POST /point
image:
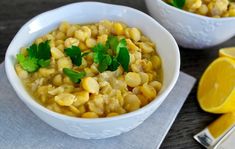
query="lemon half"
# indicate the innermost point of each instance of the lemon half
(216, 90)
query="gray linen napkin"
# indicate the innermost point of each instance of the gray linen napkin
(21, 129)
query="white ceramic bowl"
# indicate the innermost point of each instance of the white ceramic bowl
(191, 30)
(87, 12)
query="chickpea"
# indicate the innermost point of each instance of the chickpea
(144, 77)
(135, 34)
(57, 80)
(131, 102)
(102, 39)
(82, 46)
(90, 85)
(82, 98)
(60, 35)
(71, 42)
(60, 47)
(64, 26)
(71, 30)
(64, 62)
(156, 62)
(82, 109)
(132, 79)
(56, 53)
(94, 31)
(56, 91)
(132, 47)
(65, 99)
(89, 72)
(118, 29)
(45, 72)
(96, 104)
(80, 35)
(74, 110)
(156, 84)
(90, 42)
(232, 12)
(144, 101)
(67, 80)
(148, 91)
(146, 48)
(203, 10)
(59, 42)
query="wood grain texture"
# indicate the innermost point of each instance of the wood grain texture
(191, 119)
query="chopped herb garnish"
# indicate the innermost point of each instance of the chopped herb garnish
(27, 63)
(121, 44)
(38, 56)
(114, 64)
(104, 62)
(112, 42)
(124, 58)
(178, 3)
(110, 60)
(99, 52)
(73, 75)
(44, 63)
(41, 51)
(75, 54)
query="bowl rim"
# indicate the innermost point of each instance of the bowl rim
(40, 107)
(193, 14)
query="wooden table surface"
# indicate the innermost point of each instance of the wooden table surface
(191, 119)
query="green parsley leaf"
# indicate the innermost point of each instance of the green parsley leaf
(111, 55)
(44, 50)
(124, 58)
(73, 75)
(99, 52)
(104, 63)
(32, 51)
(38, 56)
(121, 44)
(114, 65)
(75, 54)
(44, 63)
(178, 3)
(41, 51)
(27, 63)
(99, 48)
(112, 42)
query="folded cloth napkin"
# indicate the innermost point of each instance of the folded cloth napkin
(21, 129)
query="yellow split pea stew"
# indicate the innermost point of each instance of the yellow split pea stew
(210, 8)
(94, 70)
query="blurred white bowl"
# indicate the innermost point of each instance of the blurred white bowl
(89, 12)
(191, 30)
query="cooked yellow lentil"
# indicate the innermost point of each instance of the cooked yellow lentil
(211, 8)
(105, 94)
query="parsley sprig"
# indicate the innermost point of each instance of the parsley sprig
(73, 75)
(111, 55)
(38, 56)
(75, 54)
